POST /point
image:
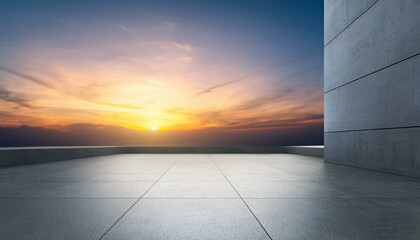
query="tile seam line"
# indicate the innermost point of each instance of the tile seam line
(144, 194)
(371, 129)
(253, 214)
(351, 23)
(376, 71)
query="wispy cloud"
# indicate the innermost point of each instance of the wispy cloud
(256, 73)
(8, 96)
(185, 47)
(210, 89)
(125, 29)
(26, 76)
(261, 101)
(293, 122)
(81, 94)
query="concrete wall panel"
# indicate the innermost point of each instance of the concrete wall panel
(387, 33)
(384, 99)
(340, 13)
(347, 148)
(392, 150)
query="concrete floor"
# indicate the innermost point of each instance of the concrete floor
(201, 196)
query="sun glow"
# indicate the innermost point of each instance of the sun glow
(154, 128)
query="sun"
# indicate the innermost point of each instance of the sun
(154, 128)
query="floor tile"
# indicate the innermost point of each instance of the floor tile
(188, 219)
(59, 218)
(335, 219)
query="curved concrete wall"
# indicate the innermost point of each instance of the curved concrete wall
(372, 84)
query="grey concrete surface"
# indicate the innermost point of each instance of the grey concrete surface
(390, 150)
(205, 196)
(386, 34)
(338, 218)
(372, 85)
(382, 100)
(188, 219)
(339, 14)
(6, 158)
(17, 156)
(58, 218)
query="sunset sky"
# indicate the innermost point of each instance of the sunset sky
(184, 70)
